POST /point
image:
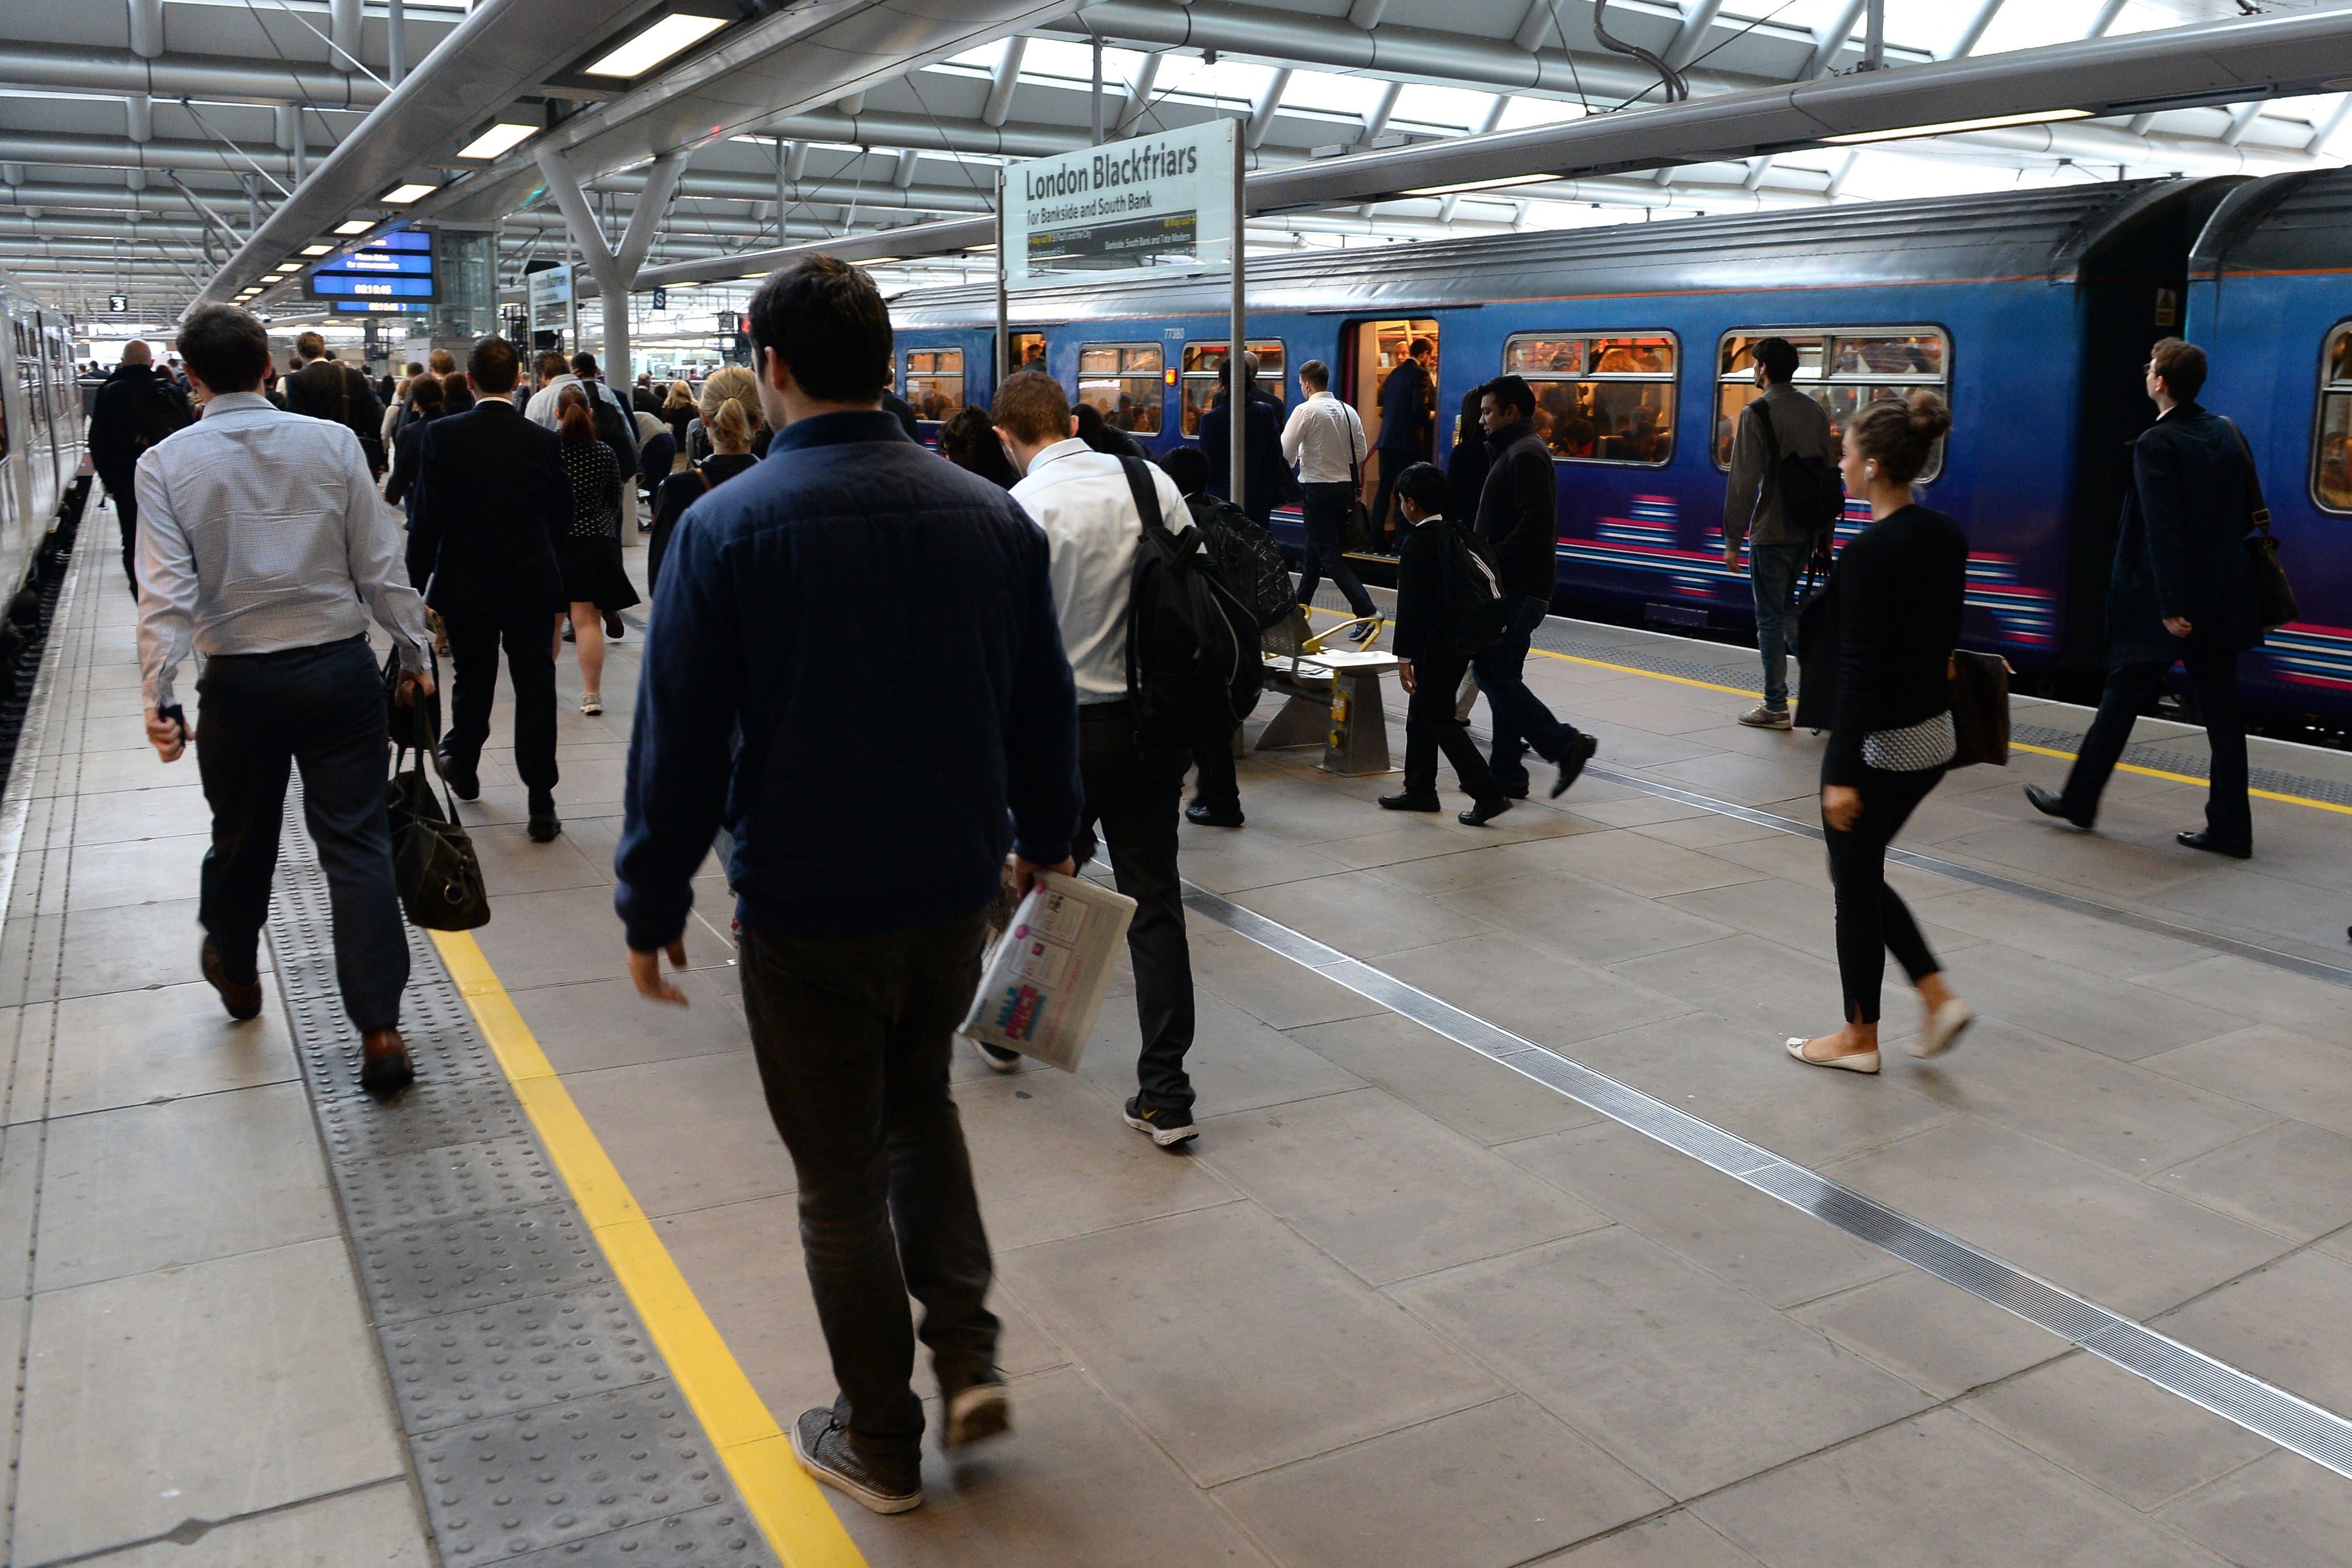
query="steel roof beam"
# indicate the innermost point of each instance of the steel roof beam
(214, 78)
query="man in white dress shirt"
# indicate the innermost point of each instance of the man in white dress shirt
(1082, 500)
(1325, 439)
(265, 547)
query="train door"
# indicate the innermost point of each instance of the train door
(1373, 351)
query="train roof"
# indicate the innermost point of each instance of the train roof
(2287, 222)
(2054, 234)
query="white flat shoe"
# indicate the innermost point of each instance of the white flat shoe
(592, 705)
(1945, 1026)
(1859, 1061)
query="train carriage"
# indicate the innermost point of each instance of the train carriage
(2031, 312)
(41, 427)
(2270, 298)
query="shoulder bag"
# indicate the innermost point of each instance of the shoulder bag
(433, 861)
(1980, 708)
(2270, 594)
(1359, 516)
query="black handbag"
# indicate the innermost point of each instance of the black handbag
(433, 861)
(1979, 708)
(2270, 596)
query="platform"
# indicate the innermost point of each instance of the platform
(1511, 1236)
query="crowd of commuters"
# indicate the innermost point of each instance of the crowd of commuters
(860, 650)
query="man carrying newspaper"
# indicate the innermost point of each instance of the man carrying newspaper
(879, 626)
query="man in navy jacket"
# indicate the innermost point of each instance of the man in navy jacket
(2178, 595)
(878, 625)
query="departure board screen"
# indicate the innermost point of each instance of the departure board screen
(393, 267)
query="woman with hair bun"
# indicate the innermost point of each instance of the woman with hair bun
(1877, 677)
(594, 582)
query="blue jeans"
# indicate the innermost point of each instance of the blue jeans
(1773, 571)
(1521, 719)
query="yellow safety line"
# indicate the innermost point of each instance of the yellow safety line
(2013, 746)
(798, 1522)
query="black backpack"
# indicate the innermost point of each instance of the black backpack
(612, 427)
(161, 413)
(1477, 613)
(1192, 664)
(1812, 492)
(1246, 558)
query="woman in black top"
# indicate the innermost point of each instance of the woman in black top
(970, 442)
(730, 434)
(595, 581)
(407, 447)
(1885, 633)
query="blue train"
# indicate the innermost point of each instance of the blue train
(2031, 312)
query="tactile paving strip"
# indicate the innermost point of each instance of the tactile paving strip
(541, 1420)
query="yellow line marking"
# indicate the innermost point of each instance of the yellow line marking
(2013, 746)
(797, 1520)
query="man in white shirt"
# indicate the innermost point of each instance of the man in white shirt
(265, 547)
(1326, 440)
(1082, 500)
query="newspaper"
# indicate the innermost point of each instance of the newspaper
(1042, 986)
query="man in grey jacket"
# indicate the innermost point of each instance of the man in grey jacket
(1752, 510)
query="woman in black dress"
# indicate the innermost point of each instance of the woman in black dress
(593, 578)
(1880, 683)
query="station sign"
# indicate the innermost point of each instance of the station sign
(380, 308)
(394, 266)
(1163, 202)
(550, 299)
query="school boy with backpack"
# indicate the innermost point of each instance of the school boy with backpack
(1118, 533)
(1449, 606)
(1784, 498)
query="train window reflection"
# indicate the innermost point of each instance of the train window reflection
(1204, 370)
(1122, 381)
(935, 381)
(2331, 457)
(1601, 398)
(1843, 368)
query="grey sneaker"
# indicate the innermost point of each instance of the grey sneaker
(1762, 718)
(825, 1451)
(981, 1410)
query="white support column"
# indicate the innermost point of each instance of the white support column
(1376, 118)
(147, 28)
(796, 159)
(344, 33)
(614, 271)
(1972, 31)
(1757, 169)
(1535, 26)
(2324, 130)
(903, 177)
(1492, 116)
(1262, 112)
(2241, 120)
(1367, 14)
(1696, 19)
(1832, 39)
(1837, 181)
(395, 37)
(2106, 18)
(1139, 96)
(1002, 81)
(139, 116)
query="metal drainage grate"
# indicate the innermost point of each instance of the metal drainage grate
(2294, 1424)
(542, 1424)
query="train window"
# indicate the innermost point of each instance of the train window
(1843, 368)
(1205, 371)
(935, 381)
(1600, 399)
(1028, 350)
(1122, 381)
(2331, 458)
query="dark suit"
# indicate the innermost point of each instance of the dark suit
(1518, 512)
(1423, 636)
(1263, 469)
(492, 503)
(135, 409)
(1405, 433)
(2179, 553)
(340, 395)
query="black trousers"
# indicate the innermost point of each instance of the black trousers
(319, 708)
(1432, 725)
(1131, 799)
(1392, 463)
(1217, 785)
(126, 513)
(530, 642)
(1520, 717)
(1325, 508)
(2229, 816)
(1872, 918)
(852, 1037)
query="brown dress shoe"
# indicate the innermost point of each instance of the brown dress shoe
(386, 1066)
(241, 998)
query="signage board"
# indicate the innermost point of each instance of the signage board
(396, 265)
(380, 308)
(1163, 202)
(118, 303)
(550, 299)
